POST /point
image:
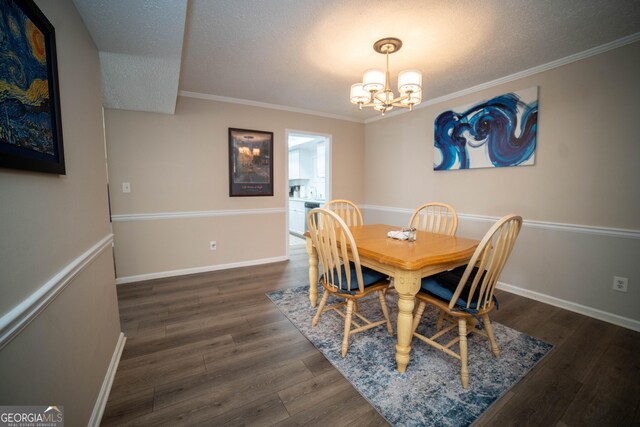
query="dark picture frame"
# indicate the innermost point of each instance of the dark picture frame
(250, 163)
(30, 122)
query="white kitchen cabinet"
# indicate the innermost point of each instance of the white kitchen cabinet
(296, 216)
(320, 160)
(300, 164)
(294, 164)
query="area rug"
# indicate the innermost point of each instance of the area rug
(429, 393)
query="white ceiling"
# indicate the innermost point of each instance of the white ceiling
(305, 54)
(140, 45)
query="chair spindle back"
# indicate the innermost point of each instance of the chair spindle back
(435, 217)
(490, 257)
(346, 210)
(334, 242)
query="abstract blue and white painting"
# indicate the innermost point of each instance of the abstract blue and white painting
(497, 132)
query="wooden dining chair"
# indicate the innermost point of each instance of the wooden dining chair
(435, 217)
(344, 278)
(346, 210)
(465, 294)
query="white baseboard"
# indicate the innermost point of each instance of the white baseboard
(205, 269)
(625, 322)
(103, 396)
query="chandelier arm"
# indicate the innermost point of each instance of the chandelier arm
(380, 97)
(400, 98)
(402, 105)
(368, 104)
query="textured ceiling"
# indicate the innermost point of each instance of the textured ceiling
(305, 54)
(140, 45)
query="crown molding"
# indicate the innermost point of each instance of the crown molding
(248, 102)
(512, 77)
(519, 75)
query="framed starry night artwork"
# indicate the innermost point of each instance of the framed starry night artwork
(30, 122)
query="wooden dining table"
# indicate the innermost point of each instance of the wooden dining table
(407, 262)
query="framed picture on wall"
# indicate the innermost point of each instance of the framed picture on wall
(250, 163)
(493, 133)
(30, 123)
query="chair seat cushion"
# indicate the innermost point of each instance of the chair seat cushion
(369, 277)
(443, 285)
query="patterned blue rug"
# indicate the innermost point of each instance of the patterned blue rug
(430, 390)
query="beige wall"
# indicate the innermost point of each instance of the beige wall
(48, 221)
(179, 163)
(586, 173)
(586, 159)
(63, 355)
(168, 246)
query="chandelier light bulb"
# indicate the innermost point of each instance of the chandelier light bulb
(409, 81)
(373, 80)
(413, 99)
(359, 95)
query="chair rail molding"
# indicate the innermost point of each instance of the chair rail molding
(559, 226)
(13, 322)
(193, 214)
(594, 231)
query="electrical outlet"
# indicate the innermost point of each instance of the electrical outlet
(213, 245)
(620, 284)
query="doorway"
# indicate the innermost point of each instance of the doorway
(308, 179)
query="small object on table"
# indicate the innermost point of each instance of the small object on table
(404, 234)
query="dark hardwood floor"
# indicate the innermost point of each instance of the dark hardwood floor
(211, 349)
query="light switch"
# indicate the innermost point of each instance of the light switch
(126, 187)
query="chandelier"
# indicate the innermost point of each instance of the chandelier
(374, 91)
